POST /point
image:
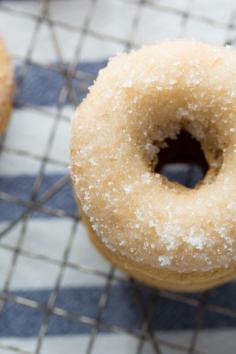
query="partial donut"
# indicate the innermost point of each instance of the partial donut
(160, 232)
(6, 86)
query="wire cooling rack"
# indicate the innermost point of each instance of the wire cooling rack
(150, 20)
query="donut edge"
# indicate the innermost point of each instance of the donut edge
(6, 106)
(5, 116)
(164, 279)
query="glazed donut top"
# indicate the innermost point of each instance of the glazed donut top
(6, 85)
(138, 101)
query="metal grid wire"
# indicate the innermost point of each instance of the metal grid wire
(38, 201)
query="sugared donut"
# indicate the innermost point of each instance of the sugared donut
(160, 232)
(6, 86)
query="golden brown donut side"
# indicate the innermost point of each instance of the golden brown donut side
(6, 86)
(162, 278)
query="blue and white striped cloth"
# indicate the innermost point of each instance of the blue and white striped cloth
(31, 252)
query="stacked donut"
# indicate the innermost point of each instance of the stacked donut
(159, 231)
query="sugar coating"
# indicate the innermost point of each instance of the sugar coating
(138, 101)
(164, 260)
(6, 86)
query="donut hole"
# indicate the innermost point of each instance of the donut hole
(182, 160)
